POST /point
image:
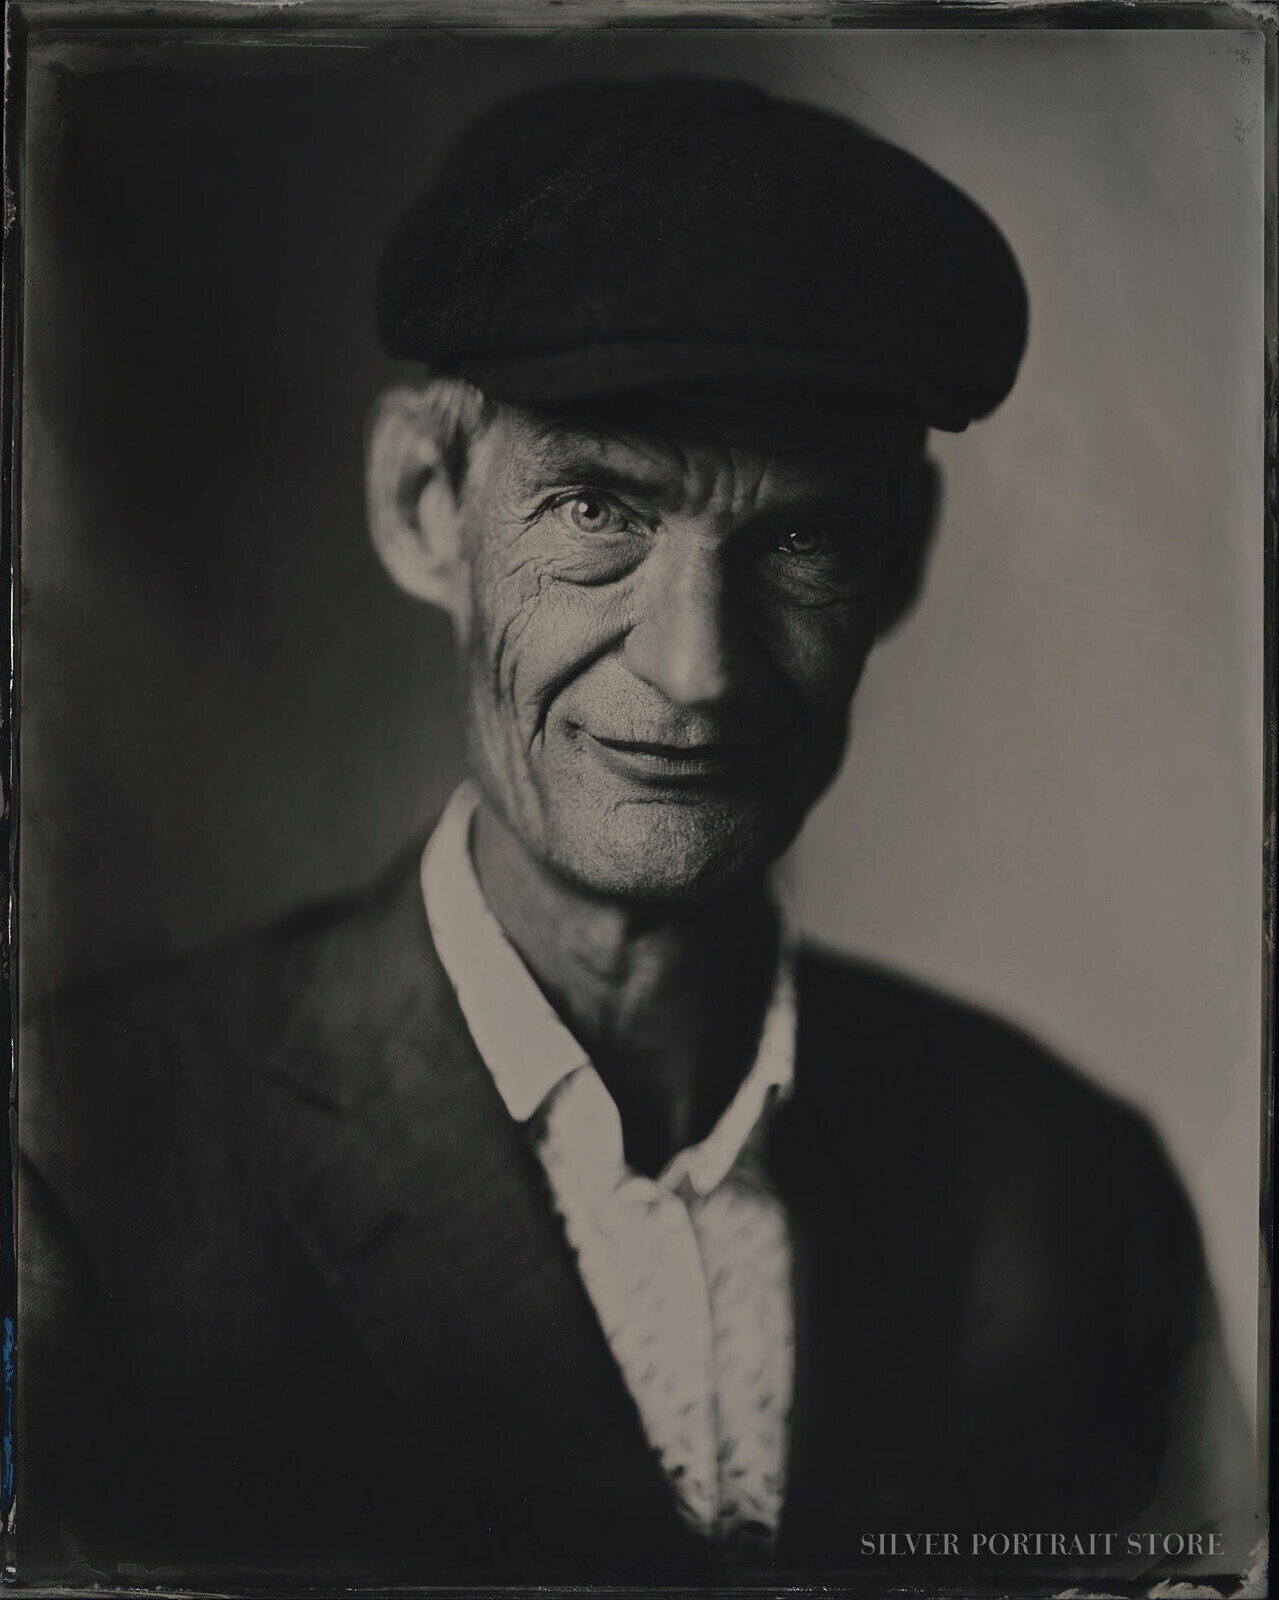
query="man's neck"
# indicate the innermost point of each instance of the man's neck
(666, 999)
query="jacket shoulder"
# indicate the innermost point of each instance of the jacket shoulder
(1057, 1175)
(157, 1066)
(880, 1031)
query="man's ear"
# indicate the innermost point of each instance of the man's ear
(916, 505)
(413, 505)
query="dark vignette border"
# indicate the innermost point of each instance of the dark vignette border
(380, 25)
(10, 339)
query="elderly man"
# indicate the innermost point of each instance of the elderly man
(544, 1213)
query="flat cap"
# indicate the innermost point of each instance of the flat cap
(599, 237)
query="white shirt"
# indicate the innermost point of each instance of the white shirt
(689, 1273)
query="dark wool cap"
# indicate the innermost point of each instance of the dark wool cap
(595, 238)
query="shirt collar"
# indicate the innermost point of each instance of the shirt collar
(519, 1035)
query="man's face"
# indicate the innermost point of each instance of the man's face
(666, 624)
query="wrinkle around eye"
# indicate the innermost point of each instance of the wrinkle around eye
(582, 556)
(591, 568)
(812, 582)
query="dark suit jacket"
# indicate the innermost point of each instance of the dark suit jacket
(293, 1297)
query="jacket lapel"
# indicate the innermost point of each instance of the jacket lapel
(423, 1210)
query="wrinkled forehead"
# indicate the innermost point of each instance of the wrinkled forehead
(679, 437)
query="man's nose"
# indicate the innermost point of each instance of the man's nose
(680, 642)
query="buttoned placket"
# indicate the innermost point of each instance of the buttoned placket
(635, 1244)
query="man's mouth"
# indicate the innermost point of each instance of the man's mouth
(690, 764)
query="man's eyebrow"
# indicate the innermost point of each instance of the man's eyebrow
(820, 500)
(588, 469)
(834, 503)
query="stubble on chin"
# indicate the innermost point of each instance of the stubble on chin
(655, 849)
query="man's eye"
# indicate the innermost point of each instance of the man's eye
(819, 560)
(592, 513)
(596, 539)
(806, 539)
(818, 540)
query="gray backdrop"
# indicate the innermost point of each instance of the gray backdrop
(1053, 802)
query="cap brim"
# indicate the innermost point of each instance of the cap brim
(618, 368)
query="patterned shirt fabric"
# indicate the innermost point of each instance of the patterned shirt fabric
(689, 1273)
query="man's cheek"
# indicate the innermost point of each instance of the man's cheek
(822, 656)
(510, 607)
(516, 669)
(559, 630)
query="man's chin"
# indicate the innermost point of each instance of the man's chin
(677, 849)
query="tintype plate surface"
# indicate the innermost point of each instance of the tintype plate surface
(1053, 809)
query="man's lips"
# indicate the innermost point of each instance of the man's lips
(690, 763)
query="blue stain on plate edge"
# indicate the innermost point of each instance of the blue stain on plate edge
(8, 1361)
(6, 1455)
(8, 1341)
